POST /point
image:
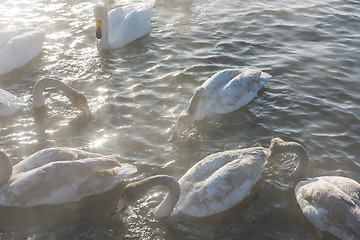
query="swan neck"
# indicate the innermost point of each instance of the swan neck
(165, 208)
(39, 87)
(6, 168)
(103, 43)
(197, 106)
(302, 168)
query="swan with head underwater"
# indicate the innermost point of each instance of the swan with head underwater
(121, 25)
(215, 184)
(59, 175)
(225, 92)
(18, 46)
(330, 203)
(10, 104)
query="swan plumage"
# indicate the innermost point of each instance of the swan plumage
(225, 92)
(220, 181)
(59, 175)
(18, 46)
(332, 204)
(214, 184)
(122, 25)
(10, 104)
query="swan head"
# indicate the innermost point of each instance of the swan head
(6, 168)
(79, 100)
(128, 197)
(274, 145)
(99, 14)
(185, 121)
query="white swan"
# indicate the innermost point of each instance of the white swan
(330, 203)
(225, 92)
(10, 104)
(58, 175)
(18, 46)
(122, 25)
(214, 184)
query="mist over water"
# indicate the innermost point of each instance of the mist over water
(136, 93)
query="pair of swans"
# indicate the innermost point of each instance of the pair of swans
(10, 104)
(115, 29)
(222, 180)
(225, 92)
(18, 46)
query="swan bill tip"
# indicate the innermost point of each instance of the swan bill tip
(98, 33)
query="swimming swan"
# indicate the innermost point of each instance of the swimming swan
(18, 46)
(122, 25)
(216, 183)
(330, 203)
(225, 92)
(58, 175)
(10, 104)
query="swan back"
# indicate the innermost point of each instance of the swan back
(220, 181)
(9, 104)
(331, 203)
(231, 89)
(19, 46)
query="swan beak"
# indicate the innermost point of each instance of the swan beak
(98, 29)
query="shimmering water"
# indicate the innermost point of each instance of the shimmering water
(311, 48)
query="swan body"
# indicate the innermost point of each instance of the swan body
(220, 181)
(215, 184)
(9, 104)
(58, 175)
(18, 46)
(225, 92)
(332, 204)
(122, 25)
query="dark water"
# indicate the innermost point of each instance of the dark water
(311, 48)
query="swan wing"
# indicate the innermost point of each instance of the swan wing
(239, 90)
(64, 181)
(9, 104)
(331, 204)
(19, 46)
(50, 155)
(211, 187)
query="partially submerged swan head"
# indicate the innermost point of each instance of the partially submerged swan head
(195, 111)
(279, 146)
(99, 14)
(134, 191)
(6, 168)
(76, 97)
(79, 100)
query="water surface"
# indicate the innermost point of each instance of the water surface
(311, 48)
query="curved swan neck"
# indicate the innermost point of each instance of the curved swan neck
(278, 146)
(165, 208)
(6, 168)
(39, 87)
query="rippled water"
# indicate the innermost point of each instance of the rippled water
(311, 48)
